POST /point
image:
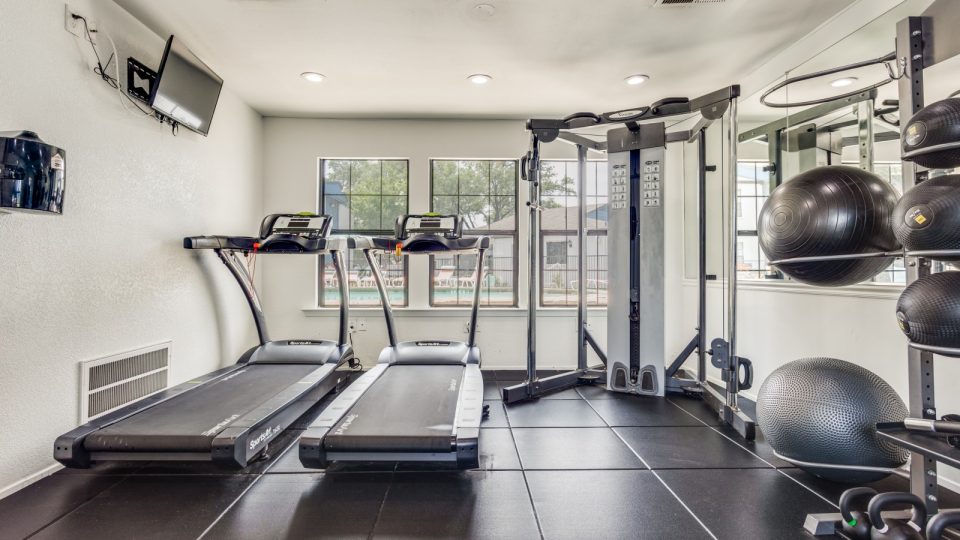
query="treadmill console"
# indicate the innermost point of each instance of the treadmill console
(449, 226)
(306, 226)
(285, 233)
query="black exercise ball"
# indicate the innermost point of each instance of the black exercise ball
(928, 216)
(929, 310)
(932, 136)
(824, 410)
(832, 210)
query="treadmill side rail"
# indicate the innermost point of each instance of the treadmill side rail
(238, 442)
(249, 435)
(469, 415)
(312, 453)
(68, 448)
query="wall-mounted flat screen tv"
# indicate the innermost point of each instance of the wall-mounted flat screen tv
(186, 90)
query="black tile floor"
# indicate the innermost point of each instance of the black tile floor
(582, 464)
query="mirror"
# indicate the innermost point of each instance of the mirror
(857, 131)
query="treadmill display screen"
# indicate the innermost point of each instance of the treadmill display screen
(430, 224)
(304, 226)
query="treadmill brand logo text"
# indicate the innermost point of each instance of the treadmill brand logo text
(346, 424)
(264, 436)
(219, 427)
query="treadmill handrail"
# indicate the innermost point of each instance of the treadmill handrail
(388, 244)
(385, 245)
(250, 243)
(227, 248)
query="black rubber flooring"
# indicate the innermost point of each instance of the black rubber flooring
(583, 464)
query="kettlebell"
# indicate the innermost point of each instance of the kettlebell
(856, 523)
(894, 530)
(941, 522)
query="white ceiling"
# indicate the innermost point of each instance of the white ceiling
(410, 58)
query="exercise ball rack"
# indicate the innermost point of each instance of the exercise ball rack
(921, 42)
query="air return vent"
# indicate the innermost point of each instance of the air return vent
(684, 3)
(109, 383)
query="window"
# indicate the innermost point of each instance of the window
(364, 197)
(891, 171)
(558, 233)
(484, 192)
(753, 188)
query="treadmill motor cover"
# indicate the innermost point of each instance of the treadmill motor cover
(32, 173)
(392, 418)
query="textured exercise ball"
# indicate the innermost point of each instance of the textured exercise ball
(929, 310)
(928, 216)
(833, 210)
(823, 410)
(932, 136)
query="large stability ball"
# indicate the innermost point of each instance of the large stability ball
(932, 136)
(928, 216)
(833, 210)
(929, 310)
(823, 410)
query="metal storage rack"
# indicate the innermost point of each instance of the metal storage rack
(922, 42)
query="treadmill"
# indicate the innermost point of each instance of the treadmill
(230, 416)
(423, 401)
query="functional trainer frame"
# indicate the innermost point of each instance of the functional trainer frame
(639, 136)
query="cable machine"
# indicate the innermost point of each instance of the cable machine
(636, 171)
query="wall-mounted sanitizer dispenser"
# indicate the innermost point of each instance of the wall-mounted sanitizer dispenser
(32, 174)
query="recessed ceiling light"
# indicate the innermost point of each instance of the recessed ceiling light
(479, 78)
(844, 81)
(313, 76)
(634, 80)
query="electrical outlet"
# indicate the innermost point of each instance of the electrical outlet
(357, 325)
(75, 26)
(466, 328)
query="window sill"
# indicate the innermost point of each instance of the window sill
(442, 312)
(883, 291)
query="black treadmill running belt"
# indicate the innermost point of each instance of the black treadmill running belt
(408, 409)
(190, 421)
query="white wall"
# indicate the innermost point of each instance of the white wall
(110, 274)
(291, 150)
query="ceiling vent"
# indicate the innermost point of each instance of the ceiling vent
(685, 3)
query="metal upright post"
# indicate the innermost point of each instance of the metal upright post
(582, 257)
(338, 267)
(532, 285)
(229, 258)
(475, 309)
(732, 263)
(865, 133)
(923, 470)
(702, 256)
(384, 296)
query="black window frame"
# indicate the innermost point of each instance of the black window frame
(321, 267)
(515, 234)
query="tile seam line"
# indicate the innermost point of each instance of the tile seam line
(725, 436)
(655, 475)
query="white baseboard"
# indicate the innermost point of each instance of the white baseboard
(24, 482)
